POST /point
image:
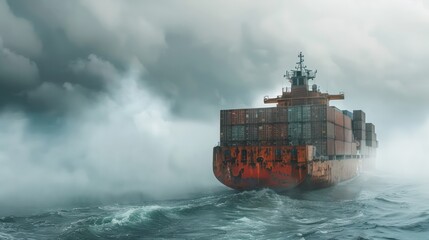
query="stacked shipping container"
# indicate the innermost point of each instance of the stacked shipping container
(364, 133)
(327, 128)
(371, 137)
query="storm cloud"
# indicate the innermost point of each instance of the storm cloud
(89, 87)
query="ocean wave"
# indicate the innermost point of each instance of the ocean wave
(7, 219)
(390, 201)
(6, 236)
(261, 214)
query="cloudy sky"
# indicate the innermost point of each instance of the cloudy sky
(102, 94)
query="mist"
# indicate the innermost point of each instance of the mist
(127, 142)
(403, 152)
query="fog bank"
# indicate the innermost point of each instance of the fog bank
(126, 143)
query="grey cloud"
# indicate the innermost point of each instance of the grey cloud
(94, 72)
(53, 98)
(184, 63)
(17, 72)
(200, 60)
(18, 33)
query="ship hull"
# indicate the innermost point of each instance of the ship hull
(280, 168)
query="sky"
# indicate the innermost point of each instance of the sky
(107, 97)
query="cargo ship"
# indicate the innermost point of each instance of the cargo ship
(302, 142)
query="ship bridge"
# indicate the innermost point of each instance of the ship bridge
(299, 93)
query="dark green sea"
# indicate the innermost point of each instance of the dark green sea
(368, 207)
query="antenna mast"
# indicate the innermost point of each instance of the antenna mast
(301, 60)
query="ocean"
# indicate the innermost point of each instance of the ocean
(371, 206)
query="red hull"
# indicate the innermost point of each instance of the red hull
(279, 168)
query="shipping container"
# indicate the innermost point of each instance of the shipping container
(269, 115)
(371, 136)
(339, 147)
(222, 117)
(369, 127)
(339, 117)
(330, 129)
(265, 132)
(318, 113)
(347, 148)
(358, 125)
(330, 147)
(306, 113)
(347, 122)
(348, 113)
(223, 130)
(237, 133)
(359, 134)
(371, 143)
(227, 115)
(280, 131)
(359, 115)
(339, 133)
(294, 114)
(238, 116)
(280, 114)
(225, 133)
(306, 130)
(294, 131)
(262, 115)
(252, 116)
(252, 132)
(348, 136)
(319, 129)
(297, 125)
(321, 147)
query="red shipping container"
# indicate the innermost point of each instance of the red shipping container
(347, 122)
(339, 117)
(331, 146)
(339, 133)
(330, 130)
(251, 116)
(234, 117)
(348, 135)
(339, 147)
(280, 114)
(347, 148)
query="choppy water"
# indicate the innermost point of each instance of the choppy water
(369, 207)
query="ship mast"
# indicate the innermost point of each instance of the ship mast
(299, 93)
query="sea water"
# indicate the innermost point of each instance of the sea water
(368, 207)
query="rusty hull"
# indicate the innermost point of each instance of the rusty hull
(279, 167)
